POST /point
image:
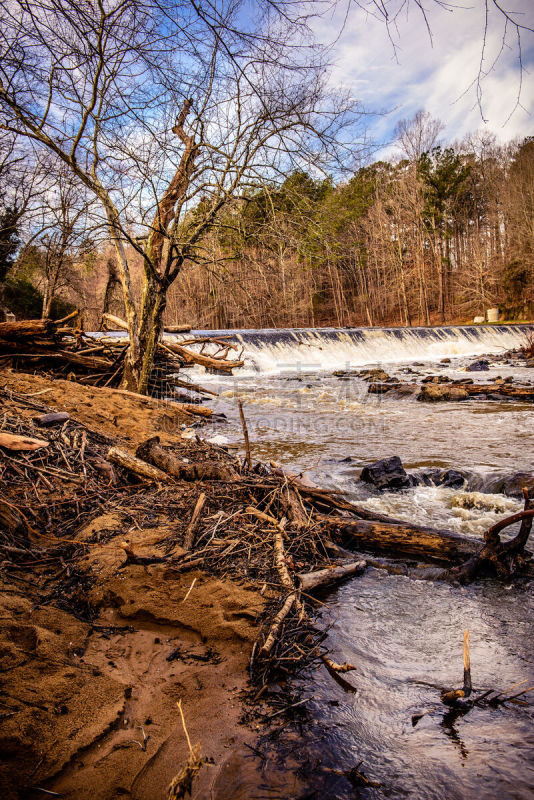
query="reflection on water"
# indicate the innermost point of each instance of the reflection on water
(405, 636)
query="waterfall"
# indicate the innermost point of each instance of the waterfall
(274, 351)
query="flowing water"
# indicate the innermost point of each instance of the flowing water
(404, 636)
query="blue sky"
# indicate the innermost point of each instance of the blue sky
(436, 74)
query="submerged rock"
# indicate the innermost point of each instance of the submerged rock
(387, 474)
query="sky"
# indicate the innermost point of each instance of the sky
(436, 73)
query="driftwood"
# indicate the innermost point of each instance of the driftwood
(210, 362)
(136, 465)
(191, 408)
(326, 577)
(152, 452)
(503, 558)
(117, 321)
(177, 328)
(13, 442)
(195, 387)
(27, 329)
(277, 622)
(403, 539)
(191, 528)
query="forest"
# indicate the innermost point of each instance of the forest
(435, 234)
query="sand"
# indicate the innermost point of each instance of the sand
(89, 709)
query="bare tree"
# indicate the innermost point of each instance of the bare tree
(418, 135)
(165, 111)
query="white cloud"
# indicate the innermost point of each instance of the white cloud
(439, 76)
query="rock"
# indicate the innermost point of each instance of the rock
(345, 373)
(513, 485)
(375, 375)
(382, 388)
(435, 393)
(404, 389)
(436, 379)
(445, 361)
(387, 474)
(529, 362)
(451, 479)
(482, 365)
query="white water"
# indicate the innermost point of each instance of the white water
(272, 352)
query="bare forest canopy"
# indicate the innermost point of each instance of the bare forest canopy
(180, 152)
(436, 237)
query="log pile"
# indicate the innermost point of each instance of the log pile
(61, 350)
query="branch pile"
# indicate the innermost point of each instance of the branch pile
(62, 351)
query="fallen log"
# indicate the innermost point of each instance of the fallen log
(152, 452)
(136, 465)
(177, 328)
(27, 329)
(210, 362)
(117, 321)
(326, 577)
(191, 408)
(403, 539)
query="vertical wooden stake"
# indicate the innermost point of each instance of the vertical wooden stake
(468, 686)
(245, 434)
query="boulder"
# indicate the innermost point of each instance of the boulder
(482, 365)
(451, 478)
(436, 379)
(387, 475)
(513, 485)
(375, 375)
(435, 393)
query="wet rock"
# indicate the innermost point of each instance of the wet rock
(451, 479)
(403, 390)
(382, 388)
(482, 365)
(436, 379)
(513, 485)
(435, 393)
(445, 361)
(529, 362)
(387, 474)
(345, 373)
(448, 478)
(375, 375)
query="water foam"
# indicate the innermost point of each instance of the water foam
(273, 352)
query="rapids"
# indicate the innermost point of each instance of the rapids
(404, 636)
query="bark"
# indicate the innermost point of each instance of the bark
(153, 453)
(27, 329)
(327, 577)
(404, 539)
(136, 465)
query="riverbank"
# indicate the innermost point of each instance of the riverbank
(112, 618)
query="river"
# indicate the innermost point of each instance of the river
(404, 636)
